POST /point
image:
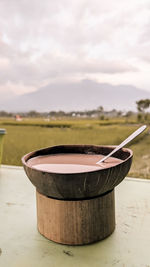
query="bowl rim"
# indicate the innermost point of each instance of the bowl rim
(29, 155)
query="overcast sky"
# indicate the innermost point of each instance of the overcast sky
(70, 40)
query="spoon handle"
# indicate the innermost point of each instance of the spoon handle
(126, 141)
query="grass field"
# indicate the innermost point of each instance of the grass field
(26, 136)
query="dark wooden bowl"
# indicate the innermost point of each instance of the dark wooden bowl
(78, 185)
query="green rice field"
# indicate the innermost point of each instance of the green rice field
(25, 136)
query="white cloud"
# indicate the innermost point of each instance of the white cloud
(64, 39)
(12, 88)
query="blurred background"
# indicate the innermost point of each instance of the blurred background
(74, 72)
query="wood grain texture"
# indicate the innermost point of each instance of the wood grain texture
(76, 222)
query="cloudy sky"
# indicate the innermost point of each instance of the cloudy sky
(70, 40)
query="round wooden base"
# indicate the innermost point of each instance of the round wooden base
(76, 222)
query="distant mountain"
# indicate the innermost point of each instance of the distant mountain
(83, 95)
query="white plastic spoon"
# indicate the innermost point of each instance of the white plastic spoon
(126, 141)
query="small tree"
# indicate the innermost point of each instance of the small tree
(100, 109)
(143, 104)
(33, 113)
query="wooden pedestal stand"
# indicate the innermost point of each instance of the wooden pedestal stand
(76, 222)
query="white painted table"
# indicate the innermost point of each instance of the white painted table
(22, 246)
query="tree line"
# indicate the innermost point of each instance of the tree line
(142, 105)
(88, 113)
